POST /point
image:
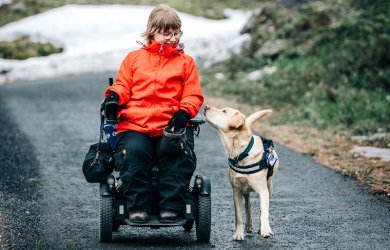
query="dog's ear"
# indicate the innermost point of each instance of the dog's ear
(257, 115)
(236, 121)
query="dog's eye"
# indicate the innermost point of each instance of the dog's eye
(224, 111)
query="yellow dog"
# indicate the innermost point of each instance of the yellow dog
(250, 167)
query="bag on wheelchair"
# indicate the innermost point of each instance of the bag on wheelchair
(175, 142)
(99, 160)
(98, 163)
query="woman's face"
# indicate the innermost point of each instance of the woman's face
(168, 37)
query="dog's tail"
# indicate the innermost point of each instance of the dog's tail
(257, 115)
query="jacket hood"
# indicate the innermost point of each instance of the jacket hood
(164, 49)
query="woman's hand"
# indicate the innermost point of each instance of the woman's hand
(112, 97)
(179, 120)
(110, 106)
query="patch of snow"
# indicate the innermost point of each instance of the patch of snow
(5, 2)
(96, 38)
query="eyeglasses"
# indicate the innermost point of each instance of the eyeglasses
(168, 36)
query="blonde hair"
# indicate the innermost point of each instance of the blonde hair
(161, 19)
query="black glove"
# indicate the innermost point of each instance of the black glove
(110, 106)
(112, 97)
(179, 120)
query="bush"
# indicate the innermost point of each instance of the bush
(23, 48)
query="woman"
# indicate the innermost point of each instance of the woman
(157, 86)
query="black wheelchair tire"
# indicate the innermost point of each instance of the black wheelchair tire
(203, 218)
(106, 218)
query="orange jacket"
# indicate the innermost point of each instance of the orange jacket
(153, 83)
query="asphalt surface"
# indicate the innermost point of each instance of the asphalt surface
(46, 128)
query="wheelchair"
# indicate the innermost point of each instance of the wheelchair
(113, 210)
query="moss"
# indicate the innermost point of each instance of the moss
(23, 48)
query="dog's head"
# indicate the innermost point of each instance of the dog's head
(231, 120)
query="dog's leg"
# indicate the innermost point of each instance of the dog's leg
(237, 198)
(265, 229)
(248, 212)
(270, 187)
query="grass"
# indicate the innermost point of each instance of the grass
(331, 59)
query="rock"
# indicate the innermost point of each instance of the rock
(372, 152)
(257, 74)
(377, 136)
(271, 47)
(219, 76)
(18, 6)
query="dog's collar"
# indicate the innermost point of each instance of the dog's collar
(267, 161)
(244, 154)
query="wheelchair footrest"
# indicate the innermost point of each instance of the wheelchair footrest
(155, 222)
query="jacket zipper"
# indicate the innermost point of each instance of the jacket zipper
(154, 85)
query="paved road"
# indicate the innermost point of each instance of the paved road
(46, 128)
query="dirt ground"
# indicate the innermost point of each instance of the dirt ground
(325, 147)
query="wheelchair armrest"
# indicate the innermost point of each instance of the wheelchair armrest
(198, 119)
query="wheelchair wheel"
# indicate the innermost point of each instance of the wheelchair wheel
(203, 218)
(106, 218)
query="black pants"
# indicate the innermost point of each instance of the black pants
(136, 155)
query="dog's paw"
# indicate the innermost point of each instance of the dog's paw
(238, 236)
(248, 229)
(265, 231)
